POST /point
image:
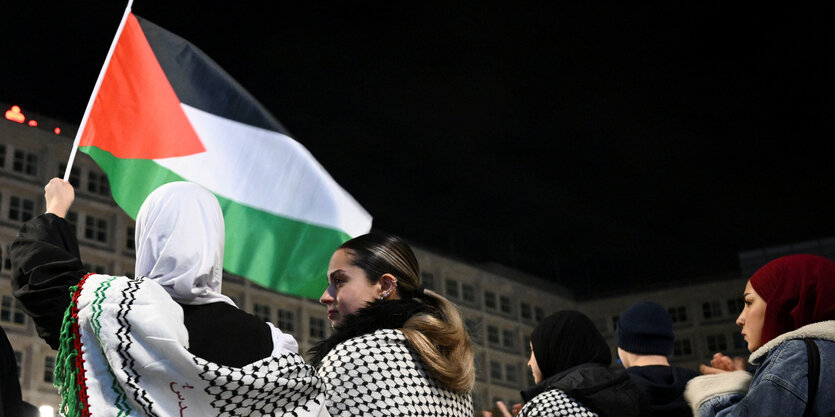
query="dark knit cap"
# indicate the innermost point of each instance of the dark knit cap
(646, 329)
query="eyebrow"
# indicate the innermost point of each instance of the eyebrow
(336, 272)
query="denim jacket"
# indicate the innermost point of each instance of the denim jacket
(779, 386)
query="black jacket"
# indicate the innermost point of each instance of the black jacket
(663, 387)
(605, 391)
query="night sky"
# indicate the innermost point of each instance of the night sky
(597, 145)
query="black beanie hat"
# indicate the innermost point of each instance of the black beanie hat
(646, 329)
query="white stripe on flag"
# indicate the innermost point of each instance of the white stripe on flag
(269, 171)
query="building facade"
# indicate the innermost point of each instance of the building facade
(500, 306)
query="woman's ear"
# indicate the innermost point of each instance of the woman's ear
(388, 287)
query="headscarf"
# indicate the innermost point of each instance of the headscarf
(798, 290)
(179, 243)
(566, 339)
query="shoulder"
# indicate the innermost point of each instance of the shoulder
(379, 344)
(554, 403)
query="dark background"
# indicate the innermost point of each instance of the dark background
(596, 145)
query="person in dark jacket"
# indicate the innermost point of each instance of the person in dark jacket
(645, 339)
(570, 364)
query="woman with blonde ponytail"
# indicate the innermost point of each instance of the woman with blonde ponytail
(397, 349)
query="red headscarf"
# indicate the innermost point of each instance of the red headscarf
(798, 290)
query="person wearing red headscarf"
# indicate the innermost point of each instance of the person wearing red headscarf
(789, 301)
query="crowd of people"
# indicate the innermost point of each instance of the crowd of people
(168, 342)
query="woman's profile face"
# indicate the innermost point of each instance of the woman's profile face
(752, 317)
(348, 288)
(537, 374)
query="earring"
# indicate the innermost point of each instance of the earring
(385, 294)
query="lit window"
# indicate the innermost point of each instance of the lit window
(25, 162)
(11, 311)
(286, 320)
(95, 229)
(21, 209)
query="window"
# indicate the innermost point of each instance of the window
(525, 311)
(682, 348)
(615, 322)
(11, 311)
(75, 174)
(468, 293)
(2, 156)
(21, 209)
(262, 311)
(490, 300)
(504, 304)
(428, 280)
(539, 314)
(97, 183)
(452, 288)
(49, 369)
(678, 314)
(495, 370)
(711, 310)
(95, 229)
(493, 335)
(511, 373)
(735, 305)
(509, 339)
(25, 162)
(130, 235)
(717, 343)
(317, 328)
(286, 320)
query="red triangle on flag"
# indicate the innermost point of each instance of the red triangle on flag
(136, 113)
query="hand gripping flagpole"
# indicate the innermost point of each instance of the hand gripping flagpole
(96, 91)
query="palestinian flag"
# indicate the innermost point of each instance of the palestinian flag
(164, 111)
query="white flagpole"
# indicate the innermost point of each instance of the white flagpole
(96, 91)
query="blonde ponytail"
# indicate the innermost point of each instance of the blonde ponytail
(443, 344)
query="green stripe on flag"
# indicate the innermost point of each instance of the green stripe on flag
(256, 243)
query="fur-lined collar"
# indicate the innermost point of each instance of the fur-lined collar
(821, 330)
(390, 314)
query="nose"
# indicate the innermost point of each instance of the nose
(740, 320)
(326, 297)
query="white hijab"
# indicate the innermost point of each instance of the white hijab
(179, 243)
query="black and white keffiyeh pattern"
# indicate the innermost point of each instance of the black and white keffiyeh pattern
(377, 374)
(554, 403)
